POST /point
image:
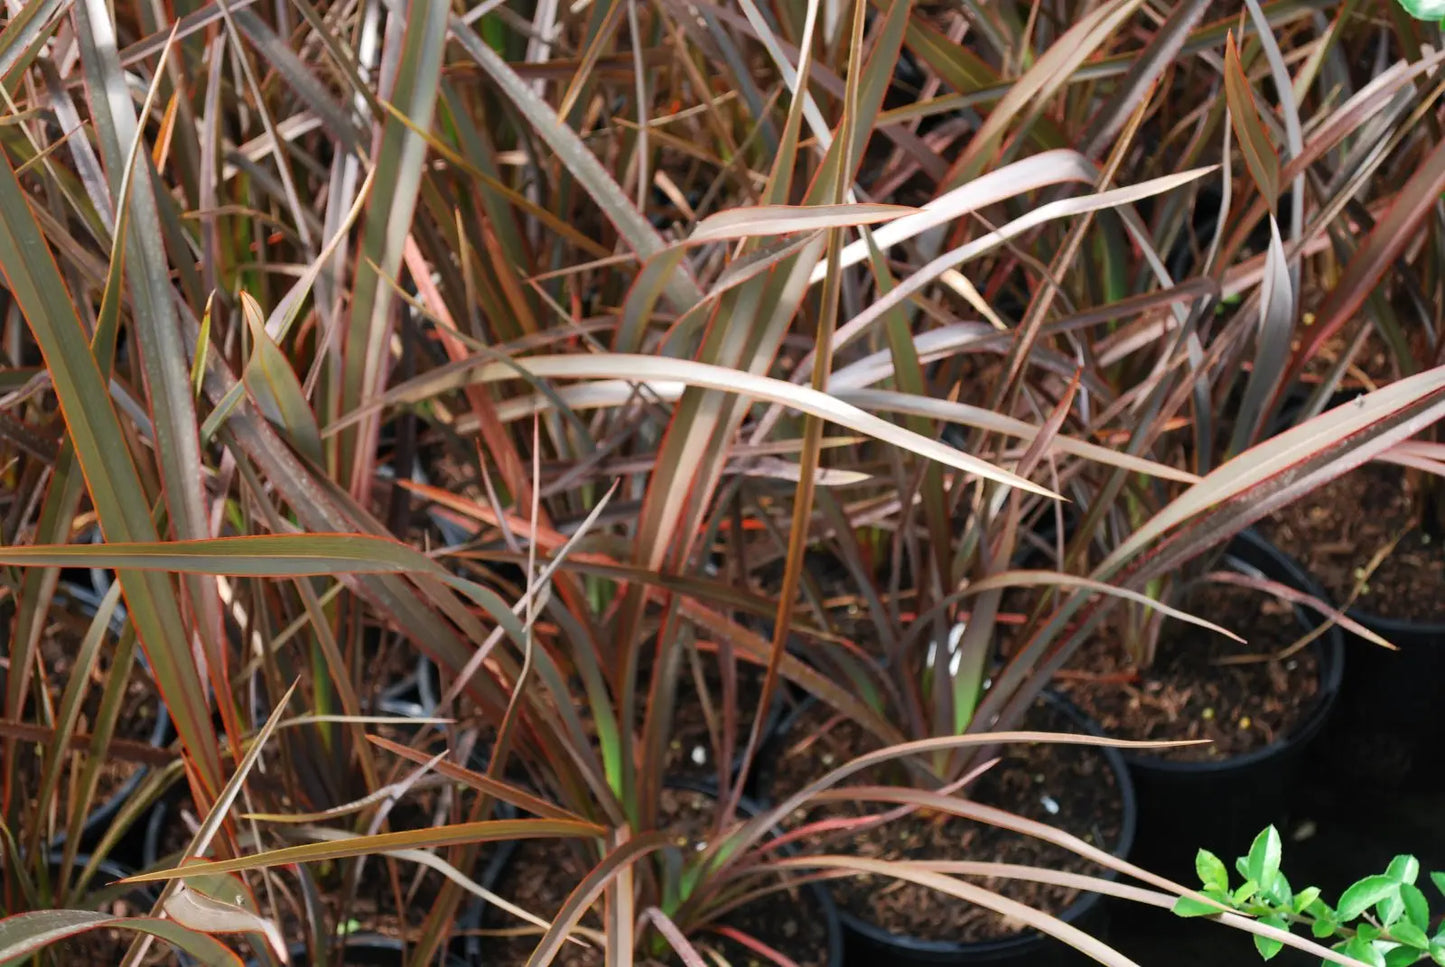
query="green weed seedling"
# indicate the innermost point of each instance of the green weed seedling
(1383, 920)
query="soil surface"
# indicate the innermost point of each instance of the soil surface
(694, 747)
(1069, 787)
(136, 720)
(542, 873)
(1372, 366)
(1336, 531)
(1187, 694)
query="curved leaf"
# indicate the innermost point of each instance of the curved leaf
(28, 933)
(274, 386)
(1260, 156)
(704, 375)
(757, 220)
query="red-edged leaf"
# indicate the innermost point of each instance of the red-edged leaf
(28, 933)
(1416, 200)
(1260, 156)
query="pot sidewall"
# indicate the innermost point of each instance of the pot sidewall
(1220, 805)
(867, 944)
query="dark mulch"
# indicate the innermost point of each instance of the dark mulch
(538, 878)
(1068, 787)
(1187, 694)
(1338, 529)
(693, 748)
(135, 722)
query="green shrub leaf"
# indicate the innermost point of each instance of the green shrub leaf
(1268, 946)
(1365, 894)
(1211, 870)
(1264, 857)
(1433, 10)
(1401, 957)
(1408, 933)
(1187, 906)
(1403, 869)
(1361, 949)
(1417, 909)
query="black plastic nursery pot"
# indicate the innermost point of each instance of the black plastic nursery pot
(1221, 805)
(414, 696)
(99, 820)
(497, 869)
(1391, 717)
(868, 945)
(358, 950)
(105, 882)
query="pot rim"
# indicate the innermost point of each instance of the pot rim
(1330, 646)
(1028, 937)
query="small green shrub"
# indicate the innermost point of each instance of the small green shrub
(1383, 919)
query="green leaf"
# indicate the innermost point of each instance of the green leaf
(1365, 894)
(154, 322)
(400, 161)
(1417, 908)
(1264, 857)
(262, 555)
(1439, 880)
(1408, 933)
(1361, 949)
(1437, 952)
(203, 346)
(1246, 890)
(272, 383)
(1279, 892)
(27, 933)
(1187, 906)
(1211, 870)
(1401, 957)
(1324, 927)
(107, 464)
(1431, 10)
(1304, 898)
(431, 837)
(1268, 946)
(1391, 909)
(25, 32)
(1403, 869)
